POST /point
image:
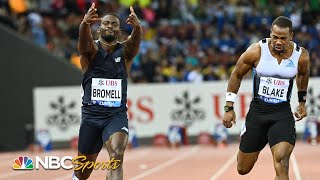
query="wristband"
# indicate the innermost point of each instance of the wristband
(231, 96)
(302, 96)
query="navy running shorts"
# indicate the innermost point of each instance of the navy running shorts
(267, 124)
(96, 129)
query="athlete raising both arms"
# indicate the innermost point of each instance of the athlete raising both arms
(106, 63)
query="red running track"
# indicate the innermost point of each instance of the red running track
(186, 163)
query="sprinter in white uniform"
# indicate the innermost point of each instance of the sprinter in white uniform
(275, 62)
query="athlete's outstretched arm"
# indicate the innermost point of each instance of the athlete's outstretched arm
(302, 81)
(85, 41)
(244, 64)
(132, 44)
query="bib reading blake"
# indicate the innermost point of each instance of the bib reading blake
(106, 92)
(273, 90)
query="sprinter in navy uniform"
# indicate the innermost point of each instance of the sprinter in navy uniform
(106, 63)
(275, 61)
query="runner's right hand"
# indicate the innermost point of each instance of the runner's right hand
(229, 119)
(91, 16)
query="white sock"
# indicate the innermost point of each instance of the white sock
(74, 177)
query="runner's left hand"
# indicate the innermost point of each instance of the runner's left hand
(301, 112)
(133, 19)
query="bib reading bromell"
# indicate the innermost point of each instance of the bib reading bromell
(106, 92)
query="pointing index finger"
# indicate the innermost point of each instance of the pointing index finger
(132, 10)
(92, 8)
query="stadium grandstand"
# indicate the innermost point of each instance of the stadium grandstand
(176, 87)
(181, 36)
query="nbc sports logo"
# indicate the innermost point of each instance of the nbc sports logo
(23, 163)
(65, 162)
(47, 162)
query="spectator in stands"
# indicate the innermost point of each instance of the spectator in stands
(201, 28)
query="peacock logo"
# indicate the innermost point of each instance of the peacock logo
(23, 163)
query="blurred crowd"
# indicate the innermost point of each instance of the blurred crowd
(183, 40)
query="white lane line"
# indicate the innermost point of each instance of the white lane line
(224, 167)
(166, 164)
(295, 167)
(137, 155)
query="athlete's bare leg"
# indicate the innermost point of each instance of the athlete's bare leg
(246, 161)
(281, 154)
(116, 145)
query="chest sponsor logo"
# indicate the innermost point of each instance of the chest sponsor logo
(290, 64)
(117, 59)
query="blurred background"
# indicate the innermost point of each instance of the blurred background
(178, 79)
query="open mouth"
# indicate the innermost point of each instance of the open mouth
(109, 32)
(278, 48)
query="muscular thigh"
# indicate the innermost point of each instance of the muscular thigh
(282, 129)
(116, 123)
(254, 134)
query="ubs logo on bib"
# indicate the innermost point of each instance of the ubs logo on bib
(101, 82)
(279, 82)
(269, 81)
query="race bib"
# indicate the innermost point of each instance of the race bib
(106, 92)
(273, 90)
